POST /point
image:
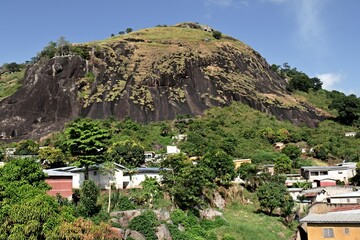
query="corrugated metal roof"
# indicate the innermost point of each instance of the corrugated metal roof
(52, 173)
(352, 216)
(325, 168)
(347, 195)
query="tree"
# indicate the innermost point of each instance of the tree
(126, 152)
(89, 194)
(221, 164)
(86, 141)
(109, 169)
(292, 151)
(63, 46)
(348, 108)
(23, 171)
(27, 147)
(273, 195)
(217, 34)
(48, 52)
(282, 164)
(186, 182)
(52, 157)
(128, 30)
(356, 179)
(26, 211)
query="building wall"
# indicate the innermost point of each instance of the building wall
(61, 185)
(315, 231)
(342, 175)
(345, 200)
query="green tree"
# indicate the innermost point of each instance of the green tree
(86, 140)
(292, 151)
(356, 179)
(126, 152)
(348, 108)
(186, 182)
(282, 164)
(52, 157)
(128, 30)
(273, 195)
(27, 147)
(26, 211)
(89, 194)
(221, 164)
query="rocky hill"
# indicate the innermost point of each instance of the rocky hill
(149, 75)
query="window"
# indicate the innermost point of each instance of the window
(348, 200)
(314, 173)
(328, 233)
(95, 173)
(346, 231)
(358, 200)
(323, 173)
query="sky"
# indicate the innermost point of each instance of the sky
(319, 37)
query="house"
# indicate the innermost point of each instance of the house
(180, 137)
(134, 180)
(332, 225)
(321, 173)
(278, 146)
(269, 168)
(321, 194)
(345, 198)
(172, 150)
(60, 183)
(295, 193)
(63, 180)
(238, 162)
(10, 151)
(350, 134)
(149, 156)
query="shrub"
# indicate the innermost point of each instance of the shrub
(145, 224)
(217, 34)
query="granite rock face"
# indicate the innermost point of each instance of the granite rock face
(147, 78)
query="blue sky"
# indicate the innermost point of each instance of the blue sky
(318, 37)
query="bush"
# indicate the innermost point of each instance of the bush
(217, 34)
(145, 224)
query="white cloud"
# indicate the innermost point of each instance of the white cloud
(330, 79)
(310, 27)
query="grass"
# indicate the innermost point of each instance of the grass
(245, 224)
(10, 82)
(318, 99)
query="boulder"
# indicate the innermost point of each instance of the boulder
(210, 214)
(163, 233)
(124, 217)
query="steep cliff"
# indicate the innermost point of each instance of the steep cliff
(149, 75)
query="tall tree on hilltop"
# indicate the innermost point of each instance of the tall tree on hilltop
(86, 141)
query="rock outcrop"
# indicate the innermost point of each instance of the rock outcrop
(149, 75)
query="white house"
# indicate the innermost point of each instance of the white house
(172, 150)
(346, 198)
(95, 173)
(350, 134)
(135, 179)
(320, 173)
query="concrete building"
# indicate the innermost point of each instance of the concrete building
(346, 198)
(342, 225)
(320, 173)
